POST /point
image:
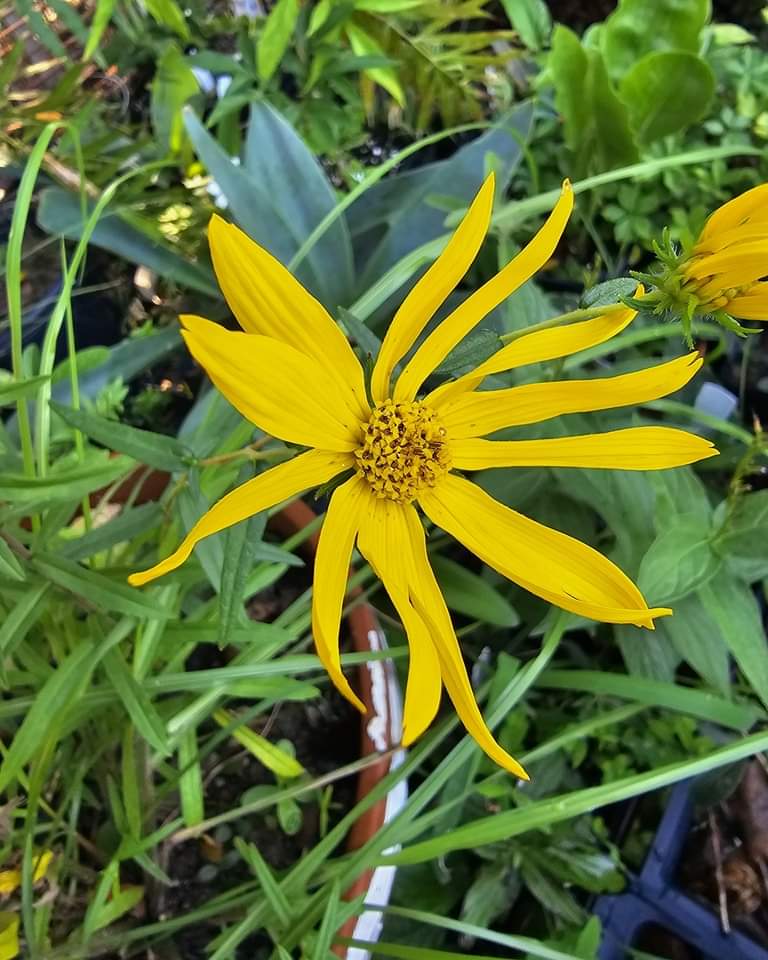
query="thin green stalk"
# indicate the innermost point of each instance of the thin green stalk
(13, 282)
(587, 313)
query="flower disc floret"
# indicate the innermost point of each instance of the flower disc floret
(404, 450)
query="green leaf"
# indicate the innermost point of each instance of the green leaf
(129, 523)
(10, 64)
(364, 45)
(471, 352)
(168, 14)
(694, 633)
(531, 19)
(469, 594)
(98, 589)
(59, 213)
(282, 764)
(11, 391)
(101, 17)
(190, 778)
(679, 560)
(154, 449)
(276, 36)
(137, 704)
(45, 718)
(65, 485)
(239, 543)
(733, 606)
(611, 291)
(10, 568)
(743, 534)
(173, 85)
(596, 122)
(24, 614)
(639, 27)
(666, 92)
(647, 654)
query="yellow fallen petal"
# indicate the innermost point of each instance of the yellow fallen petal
(266, 299)
(550, 564)
(274, 386)
(274, 486)
(636, 448)
(480, 303)
(478, 414)
(384, 542)
(432, 289)
(752, 205)
(348, 505)
(427, 598)
(9, 935)
(42, 863)
(538, 347)
(9, 881)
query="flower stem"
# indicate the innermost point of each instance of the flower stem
(587, 313)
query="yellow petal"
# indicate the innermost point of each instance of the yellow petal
(266, 299)
(538, 347)
(479, 304)
(751, 206)
(428, 599)
(348, 506)
(9, 935)
(545, 562)
(281, 483)
(733, 266)
(384, 542)
(432, 289)
(478, 414)
(731, 238)
(274, 386)
(752, 306)
(9, 880)
(637, 448)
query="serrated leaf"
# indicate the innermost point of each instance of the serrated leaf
(154, 449)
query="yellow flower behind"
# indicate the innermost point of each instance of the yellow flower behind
(292, 372)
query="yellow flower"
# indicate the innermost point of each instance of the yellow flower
(722, 274)
(730, 258)
(293, 373)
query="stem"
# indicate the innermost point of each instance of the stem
(587, 313)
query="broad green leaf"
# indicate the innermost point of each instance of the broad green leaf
(282, 764)
(596, 122)
(666, 92)
(678, 491)
(646, 653)
(136, 702)
(639, 27)
(98, 589)
(696, 636)
(467, 593)
(59, 213)
(45, 718)
(276, 36)
(173, 84)
(742, 536)
(733, 606)
(471, 352)
(679, 561)
(154, 449)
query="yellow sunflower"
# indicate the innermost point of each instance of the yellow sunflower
(293, 373)
(723, 274)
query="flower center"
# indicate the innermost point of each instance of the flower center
(403, 450)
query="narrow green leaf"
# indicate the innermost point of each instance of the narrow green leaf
(98, 589)
(269, 885)
(278, 761)
(65, 485)
(190, 778)
(25, 613)
(154, 449)
(10, 568)
(136, 702)
(130, 781)
(127, 524)
(11, 391)
(101, 17)
(276, 36)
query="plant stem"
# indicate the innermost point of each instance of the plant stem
(587, 313)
